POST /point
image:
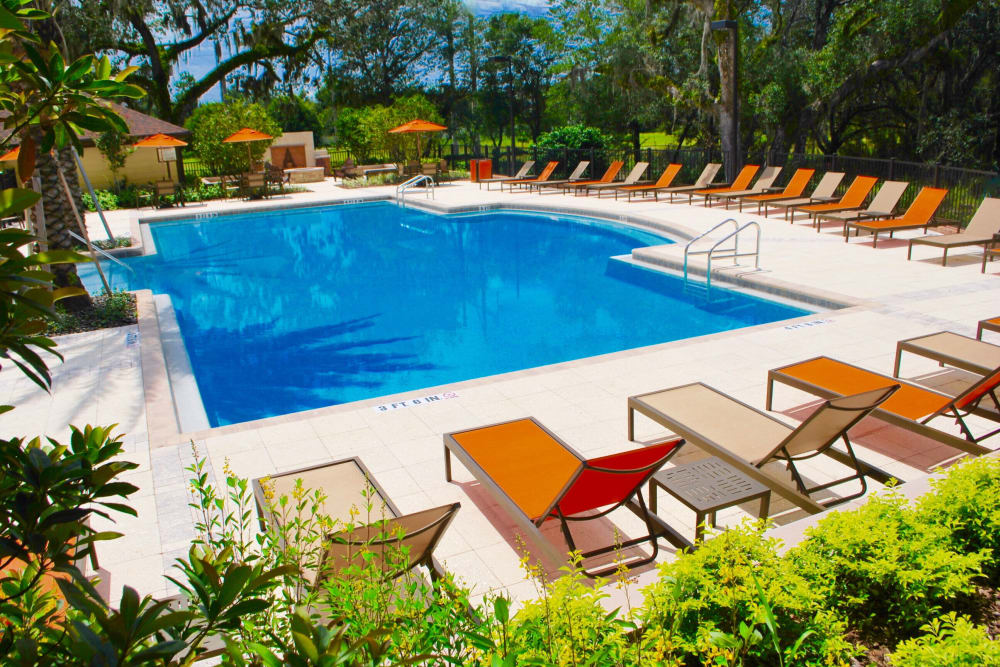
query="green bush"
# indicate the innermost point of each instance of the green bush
(735, 601)
(365, 131)
(574, 137)
(116, 309)
(967, 502)
(213, 122)
(951, 641)
(884, 569)
(108, 200)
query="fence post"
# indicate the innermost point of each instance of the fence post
(937, 175)
(566, 158)
(892, 168)
(649, 156)
(593, 164)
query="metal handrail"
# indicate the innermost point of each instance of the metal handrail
(412, 182)
(99, 251)
(734, 251)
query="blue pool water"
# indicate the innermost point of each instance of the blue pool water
(303, 308)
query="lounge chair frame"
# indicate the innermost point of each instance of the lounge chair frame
(982, 230)
(989, 324)
(657, 527)
(521, 173)
(799, 495)
(949, 358)
(893, 225)
(969, 443)
(763, 184)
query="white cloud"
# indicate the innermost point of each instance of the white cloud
(487, 7)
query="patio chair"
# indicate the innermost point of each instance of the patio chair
(795, 187)
(664, 181)
(919, 214)
(951, 349)
(763, 184)
(712, 419)
(742, 181)
(705, 179)
(347, 484)
(853, 198)
(882, 205)
(913, 407)
(535, 476)
(521, 173)
(544, 176)
(989, 324)
(823, 192)
(631, 179)
(576, 175)
(980, 231)
(609, 175)
(253, 184)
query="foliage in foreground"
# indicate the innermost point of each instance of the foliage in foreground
(116, 309)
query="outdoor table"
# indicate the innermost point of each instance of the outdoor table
(706, 487)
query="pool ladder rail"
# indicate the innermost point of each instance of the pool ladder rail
(428, 182)
(728, 252)
(100, 252)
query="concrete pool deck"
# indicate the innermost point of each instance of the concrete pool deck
(118, 376)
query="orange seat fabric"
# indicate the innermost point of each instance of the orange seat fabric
(544, 176)
(609, 175)
(919, 213)
(909, 401)
(853, 198)
(796, 186)
(665, 179)
(531, 466)
(987, 385)
(742, 181)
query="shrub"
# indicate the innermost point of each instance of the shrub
(883, 568)
(967, 502)
(107, 199)
(213, 122)
(365, 131)
(574, 137)
(106, 310)
(721, 602)
(951, 641)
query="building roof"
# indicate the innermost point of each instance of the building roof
(140, 125)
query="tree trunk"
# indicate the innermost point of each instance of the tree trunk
(59, 218)
(728, 121)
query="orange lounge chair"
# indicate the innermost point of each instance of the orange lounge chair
(742, 181)
(535, 476)
(609, 175)
(853, 198)
(882, 205)
(796, 186)
(664, 181)
(704, 180)
(912, 407)
(989, 324)
(764, 182)
(631, 179)
(822, 193)
(575, 175)
(917, 216)
(544, 176)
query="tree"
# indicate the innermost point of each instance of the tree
(295, 114)
(211, 123)
(365, 131)
(115, 147)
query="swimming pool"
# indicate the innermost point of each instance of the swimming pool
(302, 308)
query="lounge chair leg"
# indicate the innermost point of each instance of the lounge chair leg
(944, 259)
(875, 239)
(909, 251)
(631, 424)
(447, 464)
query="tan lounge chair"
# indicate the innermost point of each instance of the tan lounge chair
(576, 175)
(989, 324)
(919, 214)
(980, 230)
(347, 484)
(741, 182)
(535, 477)
(662, 183)
(631, 179)
(767, 178)
(544, 176)
(913, 407)
(521, 173)
(795, 187)
(823, 192)
(704, 180)
(882, 205)
(855, 197)
(951, 349)
(749, 439)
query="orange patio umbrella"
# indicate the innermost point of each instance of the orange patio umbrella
(246, 135)
(417, 125)
(11, 154)
(160, 140)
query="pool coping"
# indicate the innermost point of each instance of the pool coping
(164, 421)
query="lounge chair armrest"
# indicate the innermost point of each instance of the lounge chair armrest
(824, 199)
(874, 214)
(773, 188)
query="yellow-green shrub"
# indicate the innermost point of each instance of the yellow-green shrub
(951, 641)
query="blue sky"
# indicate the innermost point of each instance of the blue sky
(202, 59)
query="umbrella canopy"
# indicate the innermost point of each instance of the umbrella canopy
(418, 125)
(159, 140)
(11, 154)
(246, 134)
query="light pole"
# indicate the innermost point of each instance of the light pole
(510, 82)
(734, 158)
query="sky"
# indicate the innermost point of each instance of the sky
(202, 59)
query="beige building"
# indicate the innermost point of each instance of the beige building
(143, 165)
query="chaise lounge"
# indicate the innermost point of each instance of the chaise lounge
(740, 183)
(544, 176)
(767, 178)
(663, 182)
(520, 175)
(918, 215)
(852, 199)
(633, 178)
(980, 231)
(882, 205)
(704, 180)
(794, 188)
(822, 193)
(535, 476)
(575, 176)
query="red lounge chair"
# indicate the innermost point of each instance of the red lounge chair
(535, 476)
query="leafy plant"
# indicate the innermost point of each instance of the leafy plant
(951, 641)
(213, 122)
(884, 568)
(574, 137)
(107, 310)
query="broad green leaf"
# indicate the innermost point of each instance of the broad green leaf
(15, 200)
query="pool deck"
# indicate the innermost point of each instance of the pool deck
(118, 376)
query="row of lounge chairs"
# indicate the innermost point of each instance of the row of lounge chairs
(536, 477)
(878, 217)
